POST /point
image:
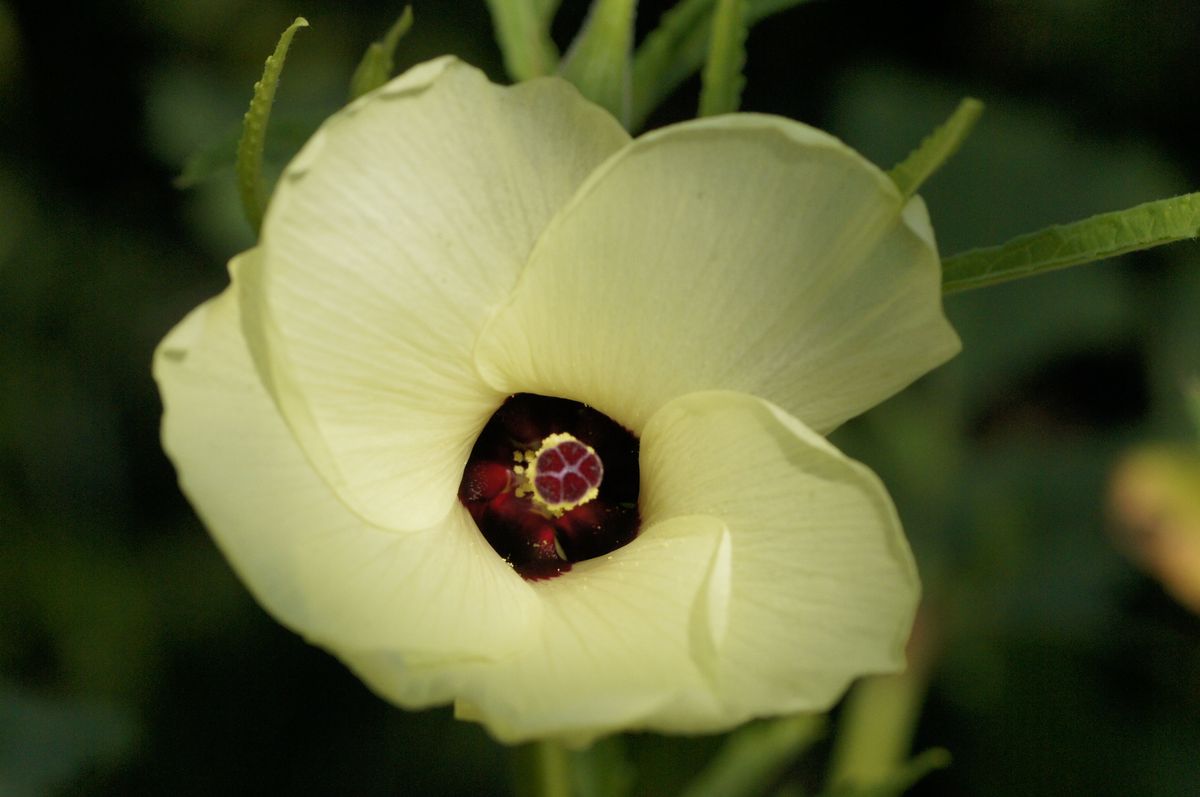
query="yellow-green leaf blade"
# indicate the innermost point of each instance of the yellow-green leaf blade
(1106, 235)
(251, 186)
(377, 62)
(721, 89)
(937, 148)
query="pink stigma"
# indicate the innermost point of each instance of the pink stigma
(567, 471)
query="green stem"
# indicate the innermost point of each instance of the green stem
(875, 731)
(543, 770)
(754, 757)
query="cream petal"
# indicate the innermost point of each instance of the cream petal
(817, 585)
(741, 252)
(313, 563)
(613, 649)
(390, 239)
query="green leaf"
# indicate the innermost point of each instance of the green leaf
(523, 33)
(679, 46)
(249, 169)
(756, 756)
(722, 81)
(599, 61)
(1106, 235)
(936, 149)
(378, 61)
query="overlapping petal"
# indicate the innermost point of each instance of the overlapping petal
(611, 650)
(317, 566)
(742, 252)
(389, 240)
(816, 584)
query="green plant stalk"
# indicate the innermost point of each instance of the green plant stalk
(756, 755)
(874, 733)
(543, 769)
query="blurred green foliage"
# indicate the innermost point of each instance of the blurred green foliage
(132, 661)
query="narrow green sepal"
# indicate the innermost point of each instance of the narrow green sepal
(937, 148)
(1106, 235)
(249, 164)
(600, 60)
(756, 755)
(523, 33)
(722, 79)
(679, 45)
(378, 61)
(661, 56)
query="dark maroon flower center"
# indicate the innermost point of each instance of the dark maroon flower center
(551, 482)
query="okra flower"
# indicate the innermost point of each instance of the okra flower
(511, 411)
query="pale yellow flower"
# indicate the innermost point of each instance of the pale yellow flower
(728, 290)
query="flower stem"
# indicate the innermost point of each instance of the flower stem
(543, 770)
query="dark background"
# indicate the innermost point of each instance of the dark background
(132, 661)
